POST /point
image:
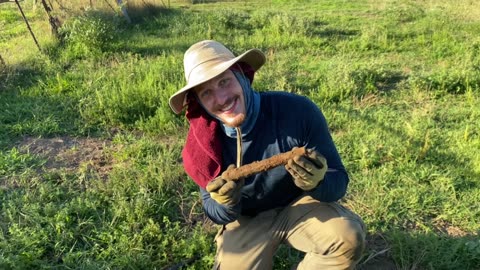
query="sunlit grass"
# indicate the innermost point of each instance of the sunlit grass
(398, 81)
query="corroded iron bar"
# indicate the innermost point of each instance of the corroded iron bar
(262, 165)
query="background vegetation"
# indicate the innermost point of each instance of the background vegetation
(90, 170)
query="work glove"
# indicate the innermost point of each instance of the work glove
(307, 171)
(225, 192)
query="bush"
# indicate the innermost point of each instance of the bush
(90, 33)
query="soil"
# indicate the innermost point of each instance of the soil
(70, 153)
(378, 257)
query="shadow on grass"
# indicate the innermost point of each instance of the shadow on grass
(336, 33)
(146, 11)
(446, 160)
(396, 249)
(27, 111)
(443, 248)
(149, 33)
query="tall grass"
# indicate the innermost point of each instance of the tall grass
(397, 80)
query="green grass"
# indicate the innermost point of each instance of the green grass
(399, 82)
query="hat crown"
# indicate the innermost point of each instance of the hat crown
(202, 53)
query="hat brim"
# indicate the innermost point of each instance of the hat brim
(254, 57)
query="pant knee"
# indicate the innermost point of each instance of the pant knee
(352, 239)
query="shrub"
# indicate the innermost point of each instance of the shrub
(90, 33)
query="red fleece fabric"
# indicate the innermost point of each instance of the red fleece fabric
(202, 153)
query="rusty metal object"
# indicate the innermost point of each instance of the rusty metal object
(262, 165)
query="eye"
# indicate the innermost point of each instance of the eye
(205, 93)
(224, 82)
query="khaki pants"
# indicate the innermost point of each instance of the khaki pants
(331, 236)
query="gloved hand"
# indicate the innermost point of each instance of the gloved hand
(225, 192)
(307, 172)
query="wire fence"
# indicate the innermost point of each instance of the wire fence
(43, 19)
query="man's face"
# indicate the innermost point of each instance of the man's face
(223, 97)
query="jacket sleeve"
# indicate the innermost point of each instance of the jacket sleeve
(218, 213)
(318, 137)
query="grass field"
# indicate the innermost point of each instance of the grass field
(90, 169)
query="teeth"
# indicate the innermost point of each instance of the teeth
(229, 107)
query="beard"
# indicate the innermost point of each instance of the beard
(235, 121)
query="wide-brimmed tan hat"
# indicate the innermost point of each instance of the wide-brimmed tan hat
(206, 60)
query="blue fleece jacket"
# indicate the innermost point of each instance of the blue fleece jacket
(285, 120)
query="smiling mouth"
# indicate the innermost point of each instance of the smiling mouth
(230, 106)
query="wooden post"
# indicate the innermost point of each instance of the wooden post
(2, 64)
(106, 1)
(54, 22)
(28, 25)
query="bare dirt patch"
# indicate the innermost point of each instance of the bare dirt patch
(70, 153)
(378, 255)
(445, 227)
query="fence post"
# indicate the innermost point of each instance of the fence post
(28, 25)
(54, 22)
(3, 65)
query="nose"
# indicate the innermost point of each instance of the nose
(220, 95)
